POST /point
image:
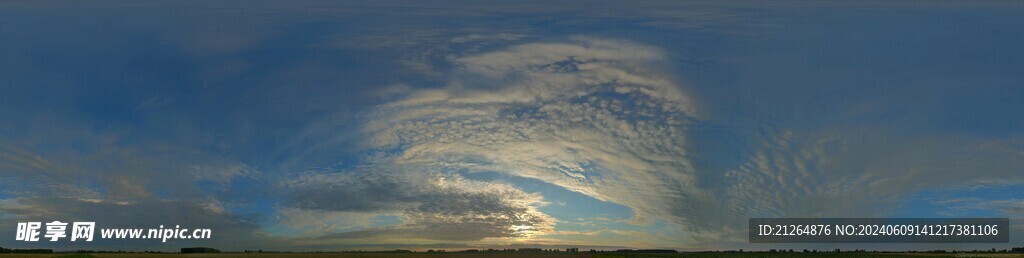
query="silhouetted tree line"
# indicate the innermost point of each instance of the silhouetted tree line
(533, 250)
(837, 250)
(25, 251)
(104, 251)
(510, 250)
(193, 250)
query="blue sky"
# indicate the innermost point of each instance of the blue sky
(320, 125)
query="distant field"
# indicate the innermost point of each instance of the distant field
(490, 255)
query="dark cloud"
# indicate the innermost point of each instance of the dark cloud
(431, 205)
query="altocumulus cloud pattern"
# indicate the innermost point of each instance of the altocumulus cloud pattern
(593, 116)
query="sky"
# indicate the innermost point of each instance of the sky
(376, 125)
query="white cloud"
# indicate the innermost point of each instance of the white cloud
(595, 116)
(486, 38)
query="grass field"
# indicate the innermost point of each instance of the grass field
(494, 255)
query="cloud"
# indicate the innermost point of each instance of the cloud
(63, 172)
(486, 38)
(1013, 208)
(856, 172)
(431, 205)
(596, 116)
(229, 231)
(600, 117)
(296, 222)
(105, 169)
(603, 118)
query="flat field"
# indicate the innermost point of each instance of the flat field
(493, 255)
